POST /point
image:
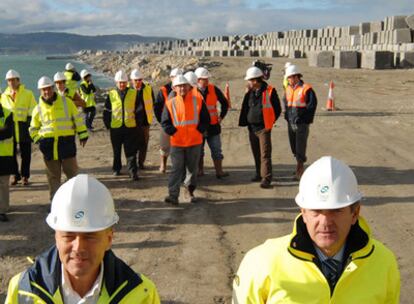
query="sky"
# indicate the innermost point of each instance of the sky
(190, 18)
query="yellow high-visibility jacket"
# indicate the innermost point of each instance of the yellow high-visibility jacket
(40, 283)
(22, 108)
(148, 103)
(285, 270)
(123, 112)
(88, 97)
(70, 83)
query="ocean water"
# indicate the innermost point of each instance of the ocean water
(32, 67)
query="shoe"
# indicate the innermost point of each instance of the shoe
(14, 181)
(189, 195)
(222, 175)
(171, 200)
(134, 177)
(116, 173)
(3, 217)
(25, 181)
(265, 184)
(256, 179)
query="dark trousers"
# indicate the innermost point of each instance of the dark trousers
(143, 139)
(90, 113)
(261, 145)
(298, 138)
(25, 149)
(126, 137)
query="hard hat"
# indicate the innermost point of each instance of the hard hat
(82, 204)
(175, 72)
(59, 76)
(191, 78)
(287, 64)
(202, 73)
(69, 66)
(44, 82)
(136, 74)
(292, 70)
(12, 74)
(121, 76)
(84, 73)
(179, 80)
(253, 72)
(328, 184)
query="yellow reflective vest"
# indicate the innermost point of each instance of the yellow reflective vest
(70, 83)
(59, 119)
(22, 106)
(282, 271)
(6, 145)
(148, 103)
(123, 112)
(89, 98)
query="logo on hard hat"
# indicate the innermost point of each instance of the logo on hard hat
(323, 192)
(79, 215)
(324, 189)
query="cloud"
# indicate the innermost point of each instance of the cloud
(190, 18)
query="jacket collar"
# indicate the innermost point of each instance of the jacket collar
(8, 91)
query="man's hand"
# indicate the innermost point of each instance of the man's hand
(83, 142)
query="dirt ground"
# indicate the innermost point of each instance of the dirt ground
(192, 251)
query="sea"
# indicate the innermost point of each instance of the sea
(32, 67)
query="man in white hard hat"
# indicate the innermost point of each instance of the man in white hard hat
(21, 102)
(212, 95)
(119, 117)
(330, 257)
(260, 110)
(81, 267)
(144, 113)
(285, 80)
(60, 82)
(72, 77)
(300, 103)
(185, 118)
(159, 104)
(54, 126)
(87, 91)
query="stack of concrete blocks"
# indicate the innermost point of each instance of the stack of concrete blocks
(369, 43)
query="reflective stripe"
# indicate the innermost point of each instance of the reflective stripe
(267, 104)
(185, 122)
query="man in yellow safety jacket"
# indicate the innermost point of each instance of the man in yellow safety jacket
(330, 257)
(72, 77)
(55, 122)
(60, 82)
(87, 91)
(20, 101)
(81, 267)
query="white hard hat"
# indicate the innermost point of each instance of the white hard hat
(59, 76)
(191, 78)
(12, 74)
(179, 80)
(202, 73)
(69, 66)
(253, 72)
(136, 74)
(44, 82)
(82, 204)
(121, 76)
(287, 64)
(176, 72)
(328, 184)
(292, 70)
(84, 73)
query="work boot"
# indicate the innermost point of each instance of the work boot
(25, 181)
(201, 167)
(256, 179)
(190, 193)
(265, 184)
(300, 168)
(116, 173)
(171, 200)
(163, 164)
(134, 177)
(3, 217)
(218, 165)
(14, 181)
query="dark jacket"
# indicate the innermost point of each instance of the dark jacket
(88, 89)
(216, 129)
(251, 114)
(160, 102)
(302, 115)
(7, 165)
(141, 114)
(168, 126)
(107, 113)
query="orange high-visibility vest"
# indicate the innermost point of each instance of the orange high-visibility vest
(164, 93)
(296, 97)
(269, 116)
(185, 115)
(211, 102)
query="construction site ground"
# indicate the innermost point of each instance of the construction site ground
(192, 251)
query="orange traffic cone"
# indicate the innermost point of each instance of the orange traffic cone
(330, 106)
(227, 94)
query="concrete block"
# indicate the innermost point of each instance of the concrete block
(346, 60)
(410, 21)
(323, 59)
(407, 60)
(271, 54)
(254, 53)
(355, 40)
(376, 60)
(397, 22)
(295, 54)
(364, 27)
(377, 26)
(402, 36)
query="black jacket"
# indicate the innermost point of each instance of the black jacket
(251, 114)
(7, 165)
(216, 129)
(302, 115)
(160, 102)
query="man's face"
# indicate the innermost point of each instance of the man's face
(81, 254)
(137, 83)
(182, 89)
(47, 92)
(60, 85)
(253, 83)
(122, 85)
(293, 80)
(13, 83)
(202, 82)
(329, 229)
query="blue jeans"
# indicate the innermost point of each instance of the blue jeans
(214, 142)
